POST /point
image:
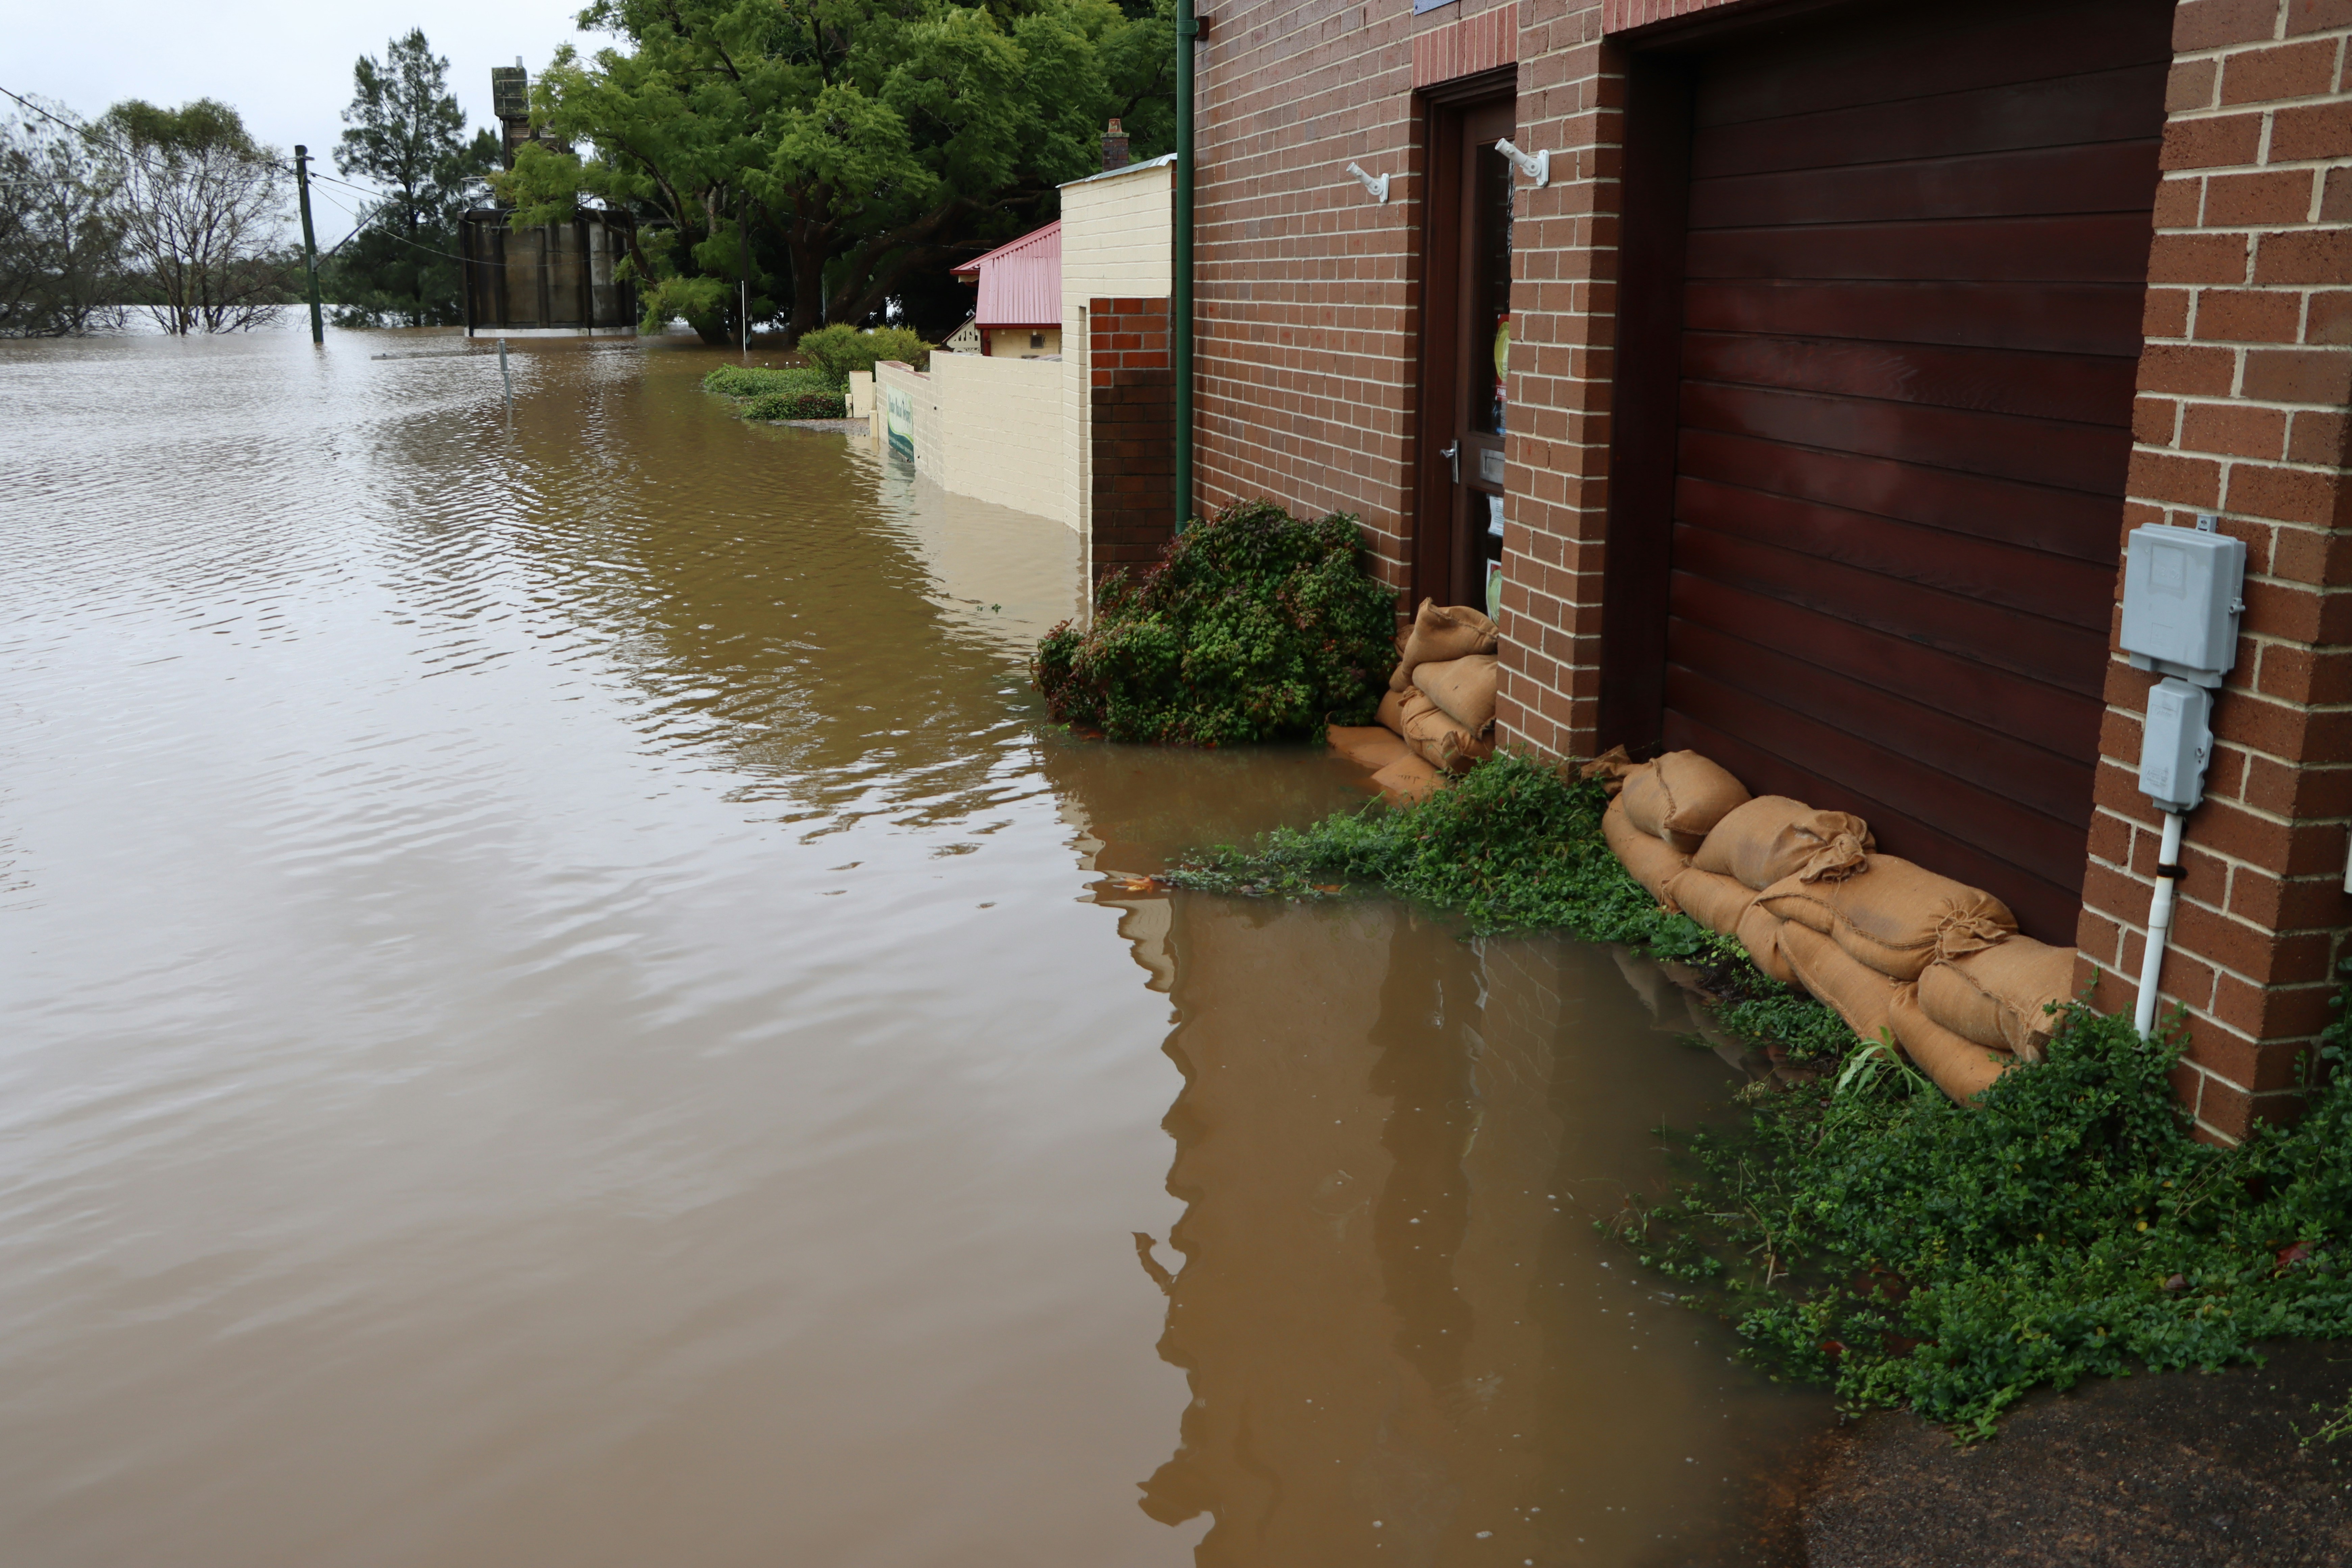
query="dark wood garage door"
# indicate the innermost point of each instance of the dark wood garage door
(1914, 258)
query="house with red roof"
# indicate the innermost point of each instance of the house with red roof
(1019, 312)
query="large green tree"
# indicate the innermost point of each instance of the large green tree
(407, 136)
(833, 149)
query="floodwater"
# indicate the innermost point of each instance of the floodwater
(560, 1005)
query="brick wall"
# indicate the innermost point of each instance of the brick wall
(1000, 430)
(1308, 331)
(2243, 388)
(1303, 282)
(1131, 461)
(1308, 309)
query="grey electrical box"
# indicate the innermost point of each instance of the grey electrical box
(2176, 744)
(2182, 598)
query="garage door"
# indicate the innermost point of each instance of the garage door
(1915, 259)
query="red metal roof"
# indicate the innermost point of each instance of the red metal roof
(1020, 283)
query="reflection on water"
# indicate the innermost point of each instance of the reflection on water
(562, 1006)
(1402, 1335)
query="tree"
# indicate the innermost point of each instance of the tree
(203, 210)
(59, 233)
(408, 135)
(830, 149)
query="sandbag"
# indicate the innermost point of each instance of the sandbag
(1654, 861)
(1997, 998)
(1408, 780)
(1443, 743)
(1715, 902)
(1371, 747)
(1857, 993)
(1760, 933)
(1772, 838)
(1463, 686)
(1390, 714)
(1893, 915)
(1611, 768)
(1680, 796)
(1960, 1067)
(1443, 632)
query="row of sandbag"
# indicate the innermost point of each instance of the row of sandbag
(1891, 946)
(1442, 696)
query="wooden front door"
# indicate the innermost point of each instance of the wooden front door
(1465, 336)
(1915, 250)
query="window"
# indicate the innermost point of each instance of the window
(1036, 340)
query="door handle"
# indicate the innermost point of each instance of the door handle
(1453, 455)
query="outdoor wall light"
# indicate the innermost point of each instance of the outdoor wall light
(1376, 184)
(1536, 167)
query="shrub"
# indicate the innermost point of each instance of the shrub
(795, 406)
(1253, 625)
(838, 350)
(751, 380)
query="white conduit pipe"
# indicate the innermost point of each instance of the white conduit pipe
(2159, 922)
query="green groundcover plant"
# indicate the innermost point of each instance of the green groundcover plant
(798, 392)
(1254, 626)
(1861, 1229)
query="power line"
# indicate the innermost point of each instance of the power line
(359, 219)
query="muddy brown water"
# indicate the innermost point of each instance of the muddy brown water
(562, 1005)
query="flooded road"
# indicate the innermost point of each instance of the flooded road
(558, 1003)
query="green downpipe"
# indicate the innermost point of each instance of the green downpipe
(1188, 33)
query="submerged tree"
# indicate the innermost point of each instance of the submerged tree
(848, 143)
(203, 212)
(60, 234)
(407, 135)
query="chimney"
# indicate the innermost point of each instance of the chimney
(1113, 147)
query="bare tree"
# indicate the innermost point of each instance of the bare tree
(59, 233)
(203, 208)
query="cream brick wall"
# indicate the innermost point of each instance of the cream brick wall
(1118, 236)
(1118, 241)
(989, 428)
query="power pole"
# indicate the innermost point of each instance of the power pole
(310, 241)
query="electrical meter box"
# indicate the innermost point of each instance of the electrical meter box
(2176, 744)
(2182, 598)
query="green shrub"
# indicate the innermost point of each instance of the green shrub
(795, 406)
(751, 380)
(1254, 626)
(838, 350)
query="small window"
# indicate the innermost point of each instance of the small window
(1036, 340)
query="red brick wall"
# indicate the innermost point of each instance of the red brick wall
(2243, 387)
(1132, 459)
(1304, 283)
(1308, 341)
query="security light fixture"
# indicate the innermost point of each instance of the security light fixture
(1535, 167)
(1376, 184)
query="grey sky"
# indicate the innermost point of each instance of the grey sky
(286, 69)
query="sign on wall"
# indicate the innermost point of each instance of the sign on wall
(898, 417)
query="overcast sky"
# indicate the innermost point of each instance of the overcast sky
(286, 68)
